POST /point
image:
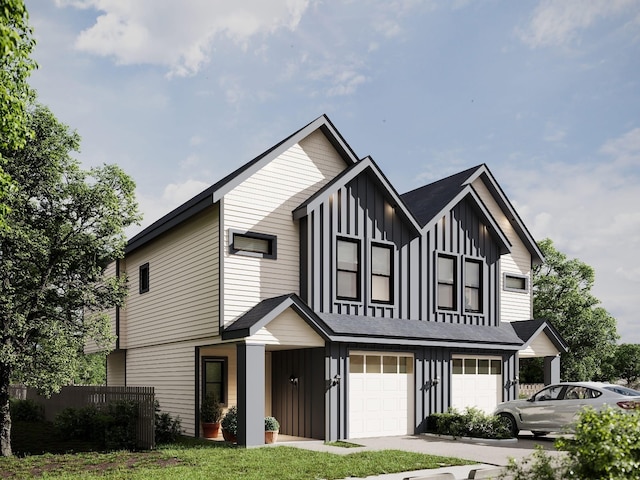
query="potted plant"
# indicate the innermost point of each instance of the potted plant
(271, 428)
(210, 415)
(230, 425)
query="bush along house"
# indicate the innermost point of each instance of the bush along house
(303, 286)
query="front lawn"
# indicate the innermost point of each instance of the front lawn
(194, 459)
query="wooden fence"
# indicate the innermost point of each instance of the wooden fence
(525, 390)
(81, 396)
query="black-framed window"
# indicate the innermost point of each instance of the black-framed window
(253, 244)
(348, 269)
(143, 278)
(214, 377)
(516, 283)
(381, 273)
(447, 282)
(472, 286)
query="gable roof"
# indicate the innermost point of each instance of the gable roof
(430, 202)
(366, 164)
(528, 330)
(216, 191)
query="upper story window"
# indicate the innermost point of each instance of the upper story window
(348, 269)
(516, 283)
(381, 273)
(143, 278)
(252, 244)
(472, 286)
(447, 282)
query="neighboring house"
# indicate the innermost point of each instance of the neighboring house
(305, 287)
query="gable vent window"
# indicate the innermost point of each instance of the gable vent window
(348, 269)
(381, 273)
(143, 278)
(516, 283)
(252, 244)
(472, 286)
(447, 282)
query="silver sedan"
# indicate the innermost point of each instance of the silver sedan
(555, 407)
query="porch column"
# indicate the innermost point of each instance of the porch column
(250, 394)
(551, 370)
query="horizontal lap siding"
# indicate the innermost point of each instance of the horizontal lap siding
(288, 329)
(514, 306)
(116, 369)
(264, 204)
(182, 301)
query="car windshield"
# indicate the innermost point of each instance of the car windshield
(627, 392)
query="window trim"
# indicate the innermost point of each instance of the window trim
(272, 239)
(524, 290)
(358, 270)
(225, 377)
(480, 287)
(391, 276)
(143, 273)
(455, 284)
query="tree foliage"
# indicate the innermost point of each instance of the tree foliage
(626, 362)
(65, 226)
(562, 294)
(16, 44)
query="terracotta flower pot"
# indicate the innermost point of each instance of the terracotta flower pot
(210, 430)
(229, 437)
(271, 436)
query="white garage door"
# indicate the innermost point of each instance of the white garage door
(476, 382)
(380, 394)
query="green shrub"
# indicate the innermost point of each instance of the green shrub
(112, 427)
(271, 424)
(606, 445)
(26, 410)
(472, 423)
(230, 421)
(167, 429)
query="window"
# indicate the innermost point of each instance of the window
(516, 283)
(446, 282)
(252, 244)
(381, 277)
(214, 373)
(143, 278)
(472, 286)
(348, 269)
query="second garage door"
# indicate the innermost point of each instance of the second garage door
(476, 382)
(380, 394)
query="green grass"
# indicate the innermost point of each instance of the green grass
(198, 459)
(343, 444)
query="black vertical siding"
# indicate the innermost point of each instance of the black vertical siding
(299, 408)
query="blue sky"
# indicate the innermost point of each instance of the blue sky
(546, 93)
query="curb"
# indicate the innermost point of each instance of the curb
(490, 441)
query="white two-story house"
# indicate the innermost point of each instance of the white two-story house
(304, 286)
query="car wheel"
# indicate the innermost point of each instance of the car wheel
(510, 422)
(539, 434)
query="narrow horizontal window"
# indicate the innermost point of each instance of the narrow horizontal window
(516, 283)
(252, 244)
(143, 278)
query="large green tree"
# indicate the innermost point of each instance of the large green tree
(16, 44)
(562, 294)
(626, 362)
(65, 225)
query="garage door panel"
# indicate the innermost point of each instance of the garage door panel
(387, 398)
(473, 384)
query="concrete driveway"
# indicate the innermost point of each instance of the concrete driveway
(486, 453)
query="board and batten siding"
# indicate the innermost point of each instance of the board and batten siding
(514, 306)
(183, 298)
(264, 204)
(462, 234)
(359, 210)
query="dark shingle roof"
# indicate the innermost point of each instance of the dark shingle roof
(526, 329)
(427, 201)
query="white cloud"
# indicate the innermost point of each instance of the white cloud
(589, 210)
(180, 35)
(559, 22)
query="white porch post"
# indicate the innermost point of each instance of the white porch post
(251, 395)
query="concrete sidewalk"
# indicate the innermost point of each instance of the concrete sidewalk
(486, 453)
